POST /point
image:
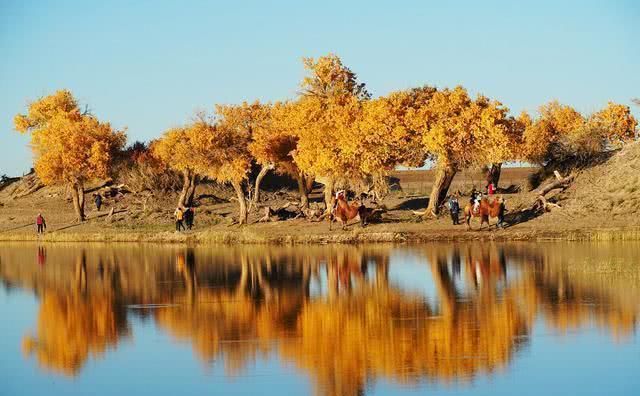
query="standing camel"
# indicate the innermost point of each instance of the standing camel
(485, 212)
(344, 211)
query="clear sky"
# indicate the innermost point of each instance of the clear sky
(148, 65)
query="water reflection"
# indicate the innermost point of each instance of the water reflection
(335, 313)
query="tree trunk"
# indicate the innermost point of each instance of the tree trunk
(186, 186)
(237, 186)
(305, 185)
(328, 194)
(261, 175)
(77, 193)
(444, 177)
(493, 175)
(191, 191)
(81, 198)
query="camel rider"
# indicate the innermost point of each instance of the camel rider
(477, 197)
(335, 201)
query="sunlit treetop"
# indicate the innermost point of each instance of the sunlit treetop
(543, 137)
(616, 123)
(383, 136)
(214, 150)
(459, 132)
(243, 118)
(43, 110)
(329, 78)
(68, 146)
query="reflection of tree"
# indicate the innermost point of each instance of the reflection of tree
(235, 322)
(75, 324)
(363, 329)
(567, 305)
(383, 332)
(334, 312)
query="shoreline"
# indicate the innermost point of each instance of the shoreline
(246, 236)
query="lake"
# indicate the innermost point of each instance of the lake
(448, 319)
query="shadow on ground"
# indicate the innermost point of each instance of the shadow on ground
(413, 204)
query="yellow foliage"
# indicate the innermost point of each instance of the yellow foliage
(383, 136)
(72, 326)
(329, 79)
(561, 132)
(69, 147)
(217, 151)
(459, 132)
(615, 122)
(324, 129)
(274, 139)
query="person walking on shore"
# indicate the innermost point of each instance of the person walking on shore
(454, 209)
(41, 224)
(179, 215)
(98, 201)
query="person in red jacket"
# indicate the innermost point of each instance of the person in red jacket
(491, 189)
(41, 224)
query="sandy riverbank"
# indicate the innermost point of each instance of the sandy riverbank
(264, 235)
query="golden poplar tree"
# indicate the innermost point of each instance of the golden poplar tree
(273, 143)
(182, 150)
(560, 133)
(215, 150)
(70, 147)
(328, 107)
(383, 137)
(616, 124)
(459, 132)
(229, 161)
(546, 138)
(246, 119)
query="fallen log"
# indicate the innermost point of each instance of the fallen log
(289, 210)
(560, 182)
(545, 205)
(541, 203)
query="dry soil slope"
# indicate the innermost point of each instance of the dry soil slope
(605, 195)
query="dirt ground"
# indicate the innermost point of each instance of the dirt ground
(140, 217)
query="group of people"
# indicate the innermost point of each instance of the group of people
(184, 218)
(474, 201)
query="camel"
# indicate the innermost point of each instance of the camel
(344, 211)
(485, 212)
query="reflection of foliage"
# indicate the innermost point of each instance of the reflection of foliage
(362, 329)
(383, 333)
(72, 327)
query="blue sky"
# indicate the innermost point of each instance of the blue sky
(148, 65)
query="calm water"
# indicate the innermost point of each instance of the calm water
(493, 319)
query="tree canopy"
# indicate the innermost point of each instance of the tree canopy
(69, 146)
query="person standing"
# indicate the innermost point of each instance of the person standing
(501, 211)
(98, 201)
(189, 214)
(491, 189)
(41, 224)
(454, 209)
(179, 215)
